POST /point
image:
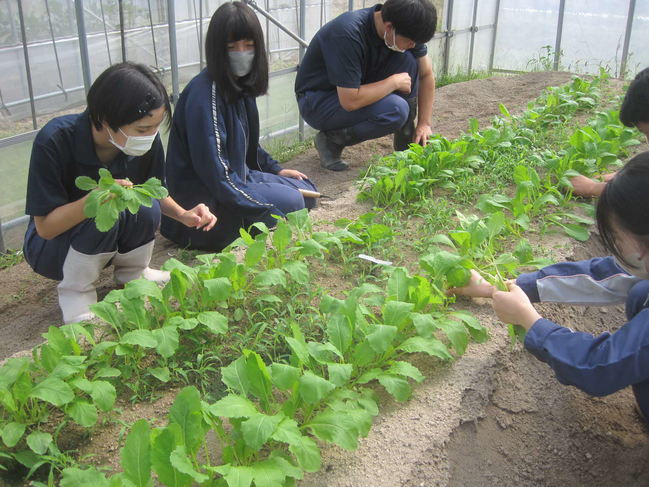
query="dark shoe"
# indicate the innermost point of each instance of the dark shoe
(641, 415)
(330, 152)
(403, 137)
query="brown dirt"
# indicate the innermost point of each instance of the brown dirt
(496, 416)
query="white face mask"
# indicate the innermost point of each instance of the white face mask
(636, 266)
(241, 62)
(394, 46)
(134, 145)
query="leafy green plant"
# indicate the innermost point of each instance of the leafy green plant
(10, 258)
(107, 198)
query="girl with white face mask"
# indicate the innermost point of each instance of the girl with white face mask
(611, 361)
(127, 104)
(214, 153)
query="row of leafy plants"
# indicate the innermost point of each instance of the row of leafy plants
(534, 153)
(77, 374)
(268, 424)
(289, 353)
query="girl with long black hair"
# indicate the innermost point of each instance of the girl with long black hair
(214, 153)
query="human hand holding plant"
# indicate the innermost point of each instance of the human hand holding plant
(584, 186)
(477, 287)
(513, 306)
(123, 182)
(607, 177)
(108, 197)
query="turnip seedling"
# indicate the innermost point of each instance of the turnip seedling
(108, 198)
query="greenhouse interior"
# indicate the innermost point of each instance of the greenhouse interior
(51, 51)
(464, 310)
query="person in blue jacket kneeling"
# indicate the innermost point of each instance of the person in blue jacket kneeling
(127, 104)
(598, 365)
(214, 154)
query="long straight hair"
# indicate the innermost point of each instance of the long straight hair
(235, 21)
(624, 204)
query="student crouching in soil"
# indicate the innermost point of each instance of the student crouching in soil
(214, 154)
(598, 365)
(118, 131)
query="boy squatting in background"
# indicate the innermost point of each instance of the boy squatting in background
(363, 76)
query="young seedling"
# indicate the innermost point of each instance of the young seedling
(108, 198)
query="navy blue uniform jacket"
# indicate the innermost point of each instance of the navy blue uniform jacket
(598, 365)
(208, 158)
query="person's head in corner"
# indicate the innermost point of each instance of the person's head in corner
(235, 52)
(623, 216)
(416, 20)
(635, 107)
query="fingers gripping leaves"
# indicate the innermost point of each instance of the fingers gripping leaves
(108, 198)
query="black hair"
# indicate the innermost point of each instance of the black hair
(624, 204)
(414, 19)
(124, 93)
(235, 21)
(635, 107)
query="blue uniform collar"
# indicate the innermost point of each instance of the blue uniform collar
(374, 34)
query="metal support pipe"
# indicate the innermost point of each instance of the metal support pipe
(83, 44)
(103, 22)
(173, 53)
(200, 34)
(350, 5)
(56, 53)
(627, 38)
(302, 33)
(17, 139)
(322, 13)
(449, 34)
(3, 249)
(253, 4)
(268, 51)
(44, 96)
(474, 29)
(267, 32)
(493, 39)
(122, 34)
(557, 44)
(28, 70)
(14, 37)
(155, 52)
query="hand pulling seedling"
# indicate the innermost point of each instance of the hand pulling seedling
(108, 198)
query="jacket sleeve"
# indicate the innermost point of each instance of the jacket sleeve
(266, 162)
(598, 365)
(598, 281)
(205, 134)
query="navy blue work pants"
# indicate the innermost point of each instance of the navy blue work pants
(46, 257)
(280, 191)
(322, 109)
